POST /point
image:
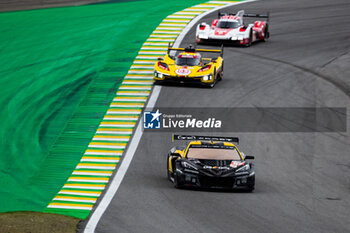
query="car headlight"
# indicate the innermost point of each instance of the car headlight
(244, 168)
(159, 75)
(206, 77)
(188, 165)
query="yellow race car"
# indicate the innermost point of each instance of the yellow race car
(189, 67)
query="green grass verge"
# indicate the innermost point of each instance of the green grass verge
(53, 61)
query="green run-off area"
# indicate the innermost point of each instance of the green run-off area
(60, 68)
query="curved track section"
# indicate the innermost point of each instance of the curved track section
(302, 178)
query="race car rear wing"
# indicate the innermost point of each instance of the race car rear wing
(205, 138)
(266, 16)
(192, 49)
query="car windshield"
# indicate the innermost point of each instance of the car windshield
(187, 61)
(213, 153)
(228, 24)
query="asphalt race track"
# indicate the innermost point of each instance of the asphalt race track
(303, 179)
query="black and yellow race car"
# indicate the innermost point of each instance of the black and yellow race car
(189, 67)
(210, 162)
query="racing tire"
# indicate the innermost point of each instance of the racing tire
(251, 186)
(221, 74)
(266, 33)
(168, 172)
(215, 79)
(250, 189)
(169, 175)
(177, 183)
(250, 39)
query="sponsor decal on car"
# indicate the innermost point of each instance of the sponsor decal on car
(221, 32)
(236, 164)
(216, 167)
(183, 71)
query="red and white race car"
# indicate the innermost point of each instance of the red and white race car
(229, 28)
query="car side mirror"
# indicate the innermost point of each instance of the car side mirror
(159, 58)
(213, 61)
(175, 155)
(249, 157)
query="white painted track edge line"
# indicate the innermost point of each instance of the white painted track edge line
(118, 178)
